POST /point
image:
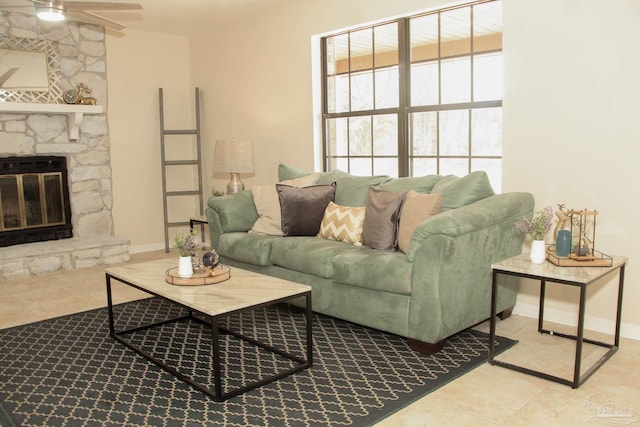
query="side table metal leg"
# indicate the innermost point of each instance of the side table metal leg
(112, 330)
(492, 320)
(543, 287)
(579, 336)
(619, 309)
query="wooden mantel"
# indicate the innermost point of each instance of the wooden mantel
(75, 112)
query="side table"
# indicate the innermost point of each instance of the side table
(582, 277)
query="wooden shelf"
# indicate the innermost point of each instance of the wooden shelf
(74, 112)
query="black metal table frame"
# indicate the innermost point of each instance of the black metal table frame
(579, 337)
(217, 393)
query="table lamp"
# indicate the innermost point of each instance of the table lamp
(235, 157)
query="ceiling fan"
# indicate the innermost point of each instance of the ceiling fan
(58, 10)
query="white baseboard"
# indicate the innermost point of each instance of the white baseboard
(596, 324)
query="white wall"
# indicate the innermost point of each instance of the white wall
(138, 64)
(571, 132)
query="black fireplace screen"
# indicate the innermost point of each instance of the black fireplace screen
(34, 200)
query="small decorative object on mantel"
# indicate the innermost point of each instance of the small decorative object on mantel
(575, 247)
(188, 246)
(536, 228)
(75, 96)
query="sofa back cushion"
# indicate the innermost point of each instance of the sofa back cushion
(457, 192)
(352, 190)
(421, 184)
(302, 208)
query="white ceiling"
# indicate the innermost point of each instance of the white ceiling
(185, 17)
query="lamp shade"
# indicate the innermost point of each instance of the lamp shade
(233, 156)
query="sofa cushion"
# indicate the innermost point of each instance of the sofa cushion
(309, 255)
(252, 249)
(381, 219)
(420, 184)
(373, 269)
(302, 208)
(342, 223)
(352, 190)
(267, 204)
(416, 209)
(458, 192)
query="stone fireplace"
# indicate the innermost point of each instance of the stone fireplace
(83, 144)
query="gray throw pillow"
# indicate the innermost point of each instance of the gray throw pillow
(382, 213)
(303, 208)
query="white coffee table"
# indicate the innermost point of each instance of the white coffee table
(245, 290)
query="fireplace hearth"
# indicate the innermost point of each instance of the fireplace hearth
(34, 200)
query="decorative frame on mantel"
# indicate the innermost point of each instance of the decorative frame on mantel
(49, 48)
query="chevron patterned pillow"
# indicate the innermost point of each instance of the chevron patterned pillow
(342, 223)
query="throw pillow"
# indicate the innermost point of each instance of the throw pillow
(302, 209)
(342, 223)
(380, 229)
(267, 204)
(416, 209)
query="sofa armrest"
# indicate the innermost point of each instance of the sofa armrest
(230, 213)
(452, 254)
(501, 208)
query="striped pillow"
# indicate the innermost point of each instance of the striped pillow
(342, 223)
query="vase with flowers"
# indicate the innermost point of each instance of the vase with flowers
(536, 228)
(188, 246)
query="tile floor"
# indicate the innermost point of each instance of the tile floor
(487, 396)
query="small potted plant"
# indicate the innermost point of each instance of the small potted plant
(536, 228)
(188, 246)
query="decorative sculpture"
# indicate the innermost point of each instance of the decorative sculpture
(75, 96)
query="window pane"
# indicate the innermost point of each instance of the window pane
(360, 136)
(386, 45)
(486, 132)
(455, 32)
(493, 167)
(387, 88)
(487, 77)
(458, 167)
(423, 166)
(361, 45)
(424, 84)
(454, 133)
(361, 167)
(487, 27)
(423, 130)
(424, 38)
(456, 80)
(362, 91)
(385, 135)
(385, 166)
(53, 194)
(337, 140)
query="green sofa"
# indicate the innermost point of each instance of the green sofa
(441, 286)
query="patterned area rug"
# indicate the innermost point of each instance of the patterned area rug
(68, 371)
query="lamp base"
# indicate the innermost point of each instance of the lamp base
(235, 185)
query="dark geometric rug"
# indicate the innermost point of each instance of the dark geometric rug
(68, 371)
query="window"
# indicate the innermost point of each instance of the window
(416, 96)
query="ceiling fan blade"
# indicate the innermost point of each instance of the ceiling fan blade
(85, 5)
(92, 18)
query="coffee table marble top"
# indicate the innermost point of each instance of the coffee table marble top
(521, 264)
(243, 290)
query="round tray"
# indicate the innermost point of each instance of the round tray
(200, 277)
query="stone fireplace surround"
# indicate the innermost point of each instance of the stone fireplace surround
(82, 59)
